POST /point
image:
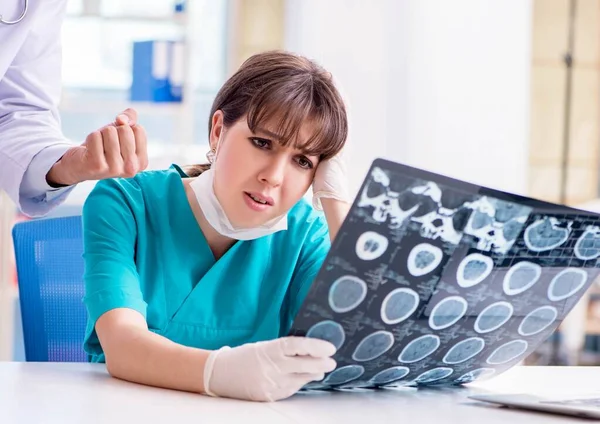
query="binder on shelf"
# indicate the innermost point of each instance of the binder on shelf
(157, 65)
(180, 6)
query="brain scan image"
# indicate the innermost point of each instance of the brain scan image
(373, 346)
(464, 350)
(330, 331)
(371, 245)
(538, 320)
(419, 348)
(508, 352)
(521, 277)
(434, 375)
(344, 375)
(495, 223)
(423, 259)
(474, 269)
(436, 281)
(566, 283)
(347, 293)
(588, 245)
(478, 374)
(398, 305)
(493, 317)
(447, 312)
(390, 375)
(546, 234)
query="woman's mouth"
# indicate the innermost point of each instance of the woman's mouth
(257, 201)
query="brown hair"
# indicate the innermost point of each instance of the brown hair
(287, 90)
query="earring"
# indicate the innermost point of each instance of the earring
(210, 155)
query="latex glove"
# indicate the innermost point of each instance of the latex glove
(267, 371)
(331, 181)
(115, 150)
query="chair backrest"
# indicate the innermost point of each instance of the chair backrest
(49, 262)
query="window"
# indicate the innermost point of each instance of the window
(98, 38)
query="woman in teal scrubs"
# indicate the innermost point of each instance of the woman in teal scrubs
(194, 275)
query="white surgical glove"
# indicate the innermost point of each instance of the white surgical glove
(331, 181)
(267, 371)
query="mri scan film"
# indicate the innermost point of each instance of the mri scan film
(435, 281)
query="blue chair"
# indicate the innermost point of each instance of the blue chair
(50, 277)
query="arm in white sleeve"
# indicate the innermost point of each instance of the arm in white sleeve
(31, 140)
(35, 193)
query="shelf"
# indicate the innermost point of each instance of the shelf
(87, 106)
(75, 99)
(175, 18)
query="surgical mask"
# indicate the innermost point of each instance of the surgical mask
(203, 187)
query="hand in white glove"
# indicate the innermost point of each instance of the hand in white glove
(331, 181)
(267, 371)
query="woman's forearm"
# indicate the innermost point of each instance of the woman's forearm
(335, 214)
(147, 358)
(138, 355)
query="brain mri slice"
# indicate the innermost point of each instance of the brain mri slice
(330, 331)
(346, 293)
(373, 346)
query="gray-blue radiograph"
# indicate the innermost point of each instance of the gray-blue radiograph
(566, 283)
(521, 277)
(447, 312)
(477, 374)
(344, 375)
(474, 269)
(423, 259)
(434, 375)
(347, 293)
(538, 320)
(507, 352)
(493, 317)
(419, 348)
(398, 305)
(436, 281)
(588, 245)
(373, 346)
(495, 223)
(511, 229)
(464, 350)
(330, 331)
(370, 246)
(390, 375)
(546, 234)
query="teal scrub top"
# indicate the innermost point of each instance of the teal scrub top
(144, 250)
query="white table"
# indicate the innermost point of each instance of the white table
(85, 393)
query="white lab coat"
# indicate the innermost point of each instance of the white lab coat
(31, 140)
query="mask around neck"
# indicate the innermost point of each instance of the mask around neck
(203, 188)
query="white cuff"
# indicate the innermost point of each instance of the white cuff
(316, 200)
(34, 182)
(208, 370)
(35, 195)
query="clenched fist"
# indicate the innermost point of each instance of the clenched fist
(116, 150)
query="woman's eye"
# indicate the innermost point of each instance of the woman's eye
(259, 142)
(305, 163)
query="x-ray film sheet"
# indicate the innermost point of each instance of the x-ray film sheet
(432, 280)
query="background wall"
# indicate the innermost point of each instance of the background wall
(549, 100)
(438, 85)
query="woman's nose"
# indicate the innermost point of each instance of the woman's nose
(273, 172)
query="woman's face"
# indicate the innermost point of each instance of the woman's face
(257, 179)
